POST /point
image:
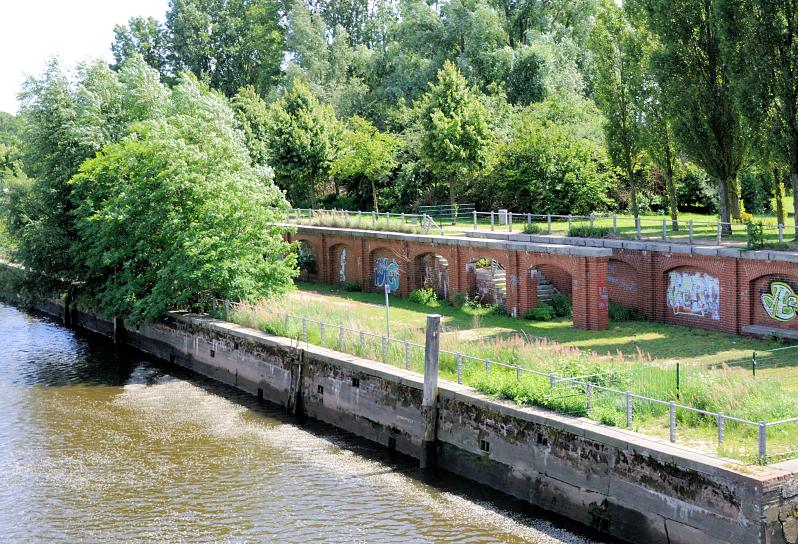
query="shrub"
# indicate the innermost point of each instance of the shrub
(543, 312)
(561, 305)
(586, 231)
(756, 234)
(499, 309)
(619, 312)
(547, 169)
(531, 228)
(350, 287)
(306, 262)
(459, 300)
(426, 297)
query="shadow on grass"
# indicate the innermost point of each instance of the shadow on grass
(660, 341)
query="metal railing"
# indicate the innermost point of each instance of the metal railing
(594, 225)
(583, 392)
(663, 229)
(409, 222)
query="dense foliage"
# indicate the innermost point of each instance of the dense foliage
(145, 195)
(558, 107)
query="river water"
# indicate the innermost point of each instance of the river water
(99, 444)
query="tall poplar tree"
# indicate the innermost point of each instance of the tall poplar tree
(618, 52)
(694, 75)
(761, 39)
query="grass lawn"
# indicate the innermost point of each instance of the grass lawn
(662, 342)
(651, 226)
(630, 356)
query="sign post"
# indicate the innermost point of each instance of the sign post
(387, 306)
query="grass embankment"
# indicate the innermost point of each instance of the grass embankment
(704, 228)
(631, 356)
(368, 221)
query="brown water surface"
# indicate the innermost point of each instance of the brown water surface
(103, 445)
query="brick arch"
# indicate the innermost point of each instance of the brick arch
(691, 295)
(431, 270)
(305, 244)
(559, 276)
(342, 264)
(778, 315)
(625, 282)
(373, 274)
(490, 285)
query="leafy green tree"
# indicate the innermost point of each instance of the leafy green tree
(252, 114)
(365, 160)
(146, 37)
(543, 167)
(525, 82)
(618, 52)
(302, 143)
(67, 123)
(456, 134)
(228, 43)
(761, 40)
(175, 215)
(695, 79)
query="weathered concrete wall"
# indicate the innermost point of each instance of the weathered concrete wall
(638, 489)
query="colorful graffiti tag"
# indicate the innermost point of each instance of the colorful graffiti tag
(342, 266)
(694, 294)
(781, 303)
(386, 273)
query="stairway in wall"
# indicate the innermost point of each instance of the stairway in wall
(546, 290)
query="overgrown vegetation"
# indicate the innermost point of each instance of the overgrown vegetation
(725, 389)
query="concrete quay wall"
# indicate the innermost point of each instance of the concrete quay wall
(621, 483)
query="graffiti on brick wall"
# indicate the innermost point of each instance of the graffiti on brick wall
(694, 294)
(342, 266)
(386, 272)
(780, 302)
(614, 279)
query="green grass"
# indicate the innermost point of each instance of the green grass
(631, 356)
(651, 228)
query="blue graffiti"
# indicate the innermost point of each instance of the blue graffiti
(386, 273)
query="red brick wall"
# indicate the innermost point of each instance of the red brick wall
(431, 273)
(343, 254)
(561, 279)
(623, 284)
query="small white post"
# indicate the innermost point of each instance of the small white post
(664, 229)
(629, 409)
(475, 220)
(719, 233)
(387, 313)
(672, 420)
(614, 224)
(548, 222)
(491, 221)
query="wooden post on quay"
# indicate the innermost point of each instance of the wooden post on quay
(429, 403)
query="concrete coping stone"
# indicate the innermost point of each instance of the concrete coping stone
(579, 426)
(645, 245)
(561, 249)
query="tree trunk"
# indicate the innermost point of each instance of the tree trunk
(778, 193)
(734, 199)
(794, 180)
(725, 212)
(452, 181)
(633, 189)
(671, 188)
(374, 196)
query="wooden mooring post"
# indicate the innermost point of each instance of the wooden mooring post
(429, 402)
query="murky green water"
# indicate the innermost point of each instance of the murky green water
(100, 445)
